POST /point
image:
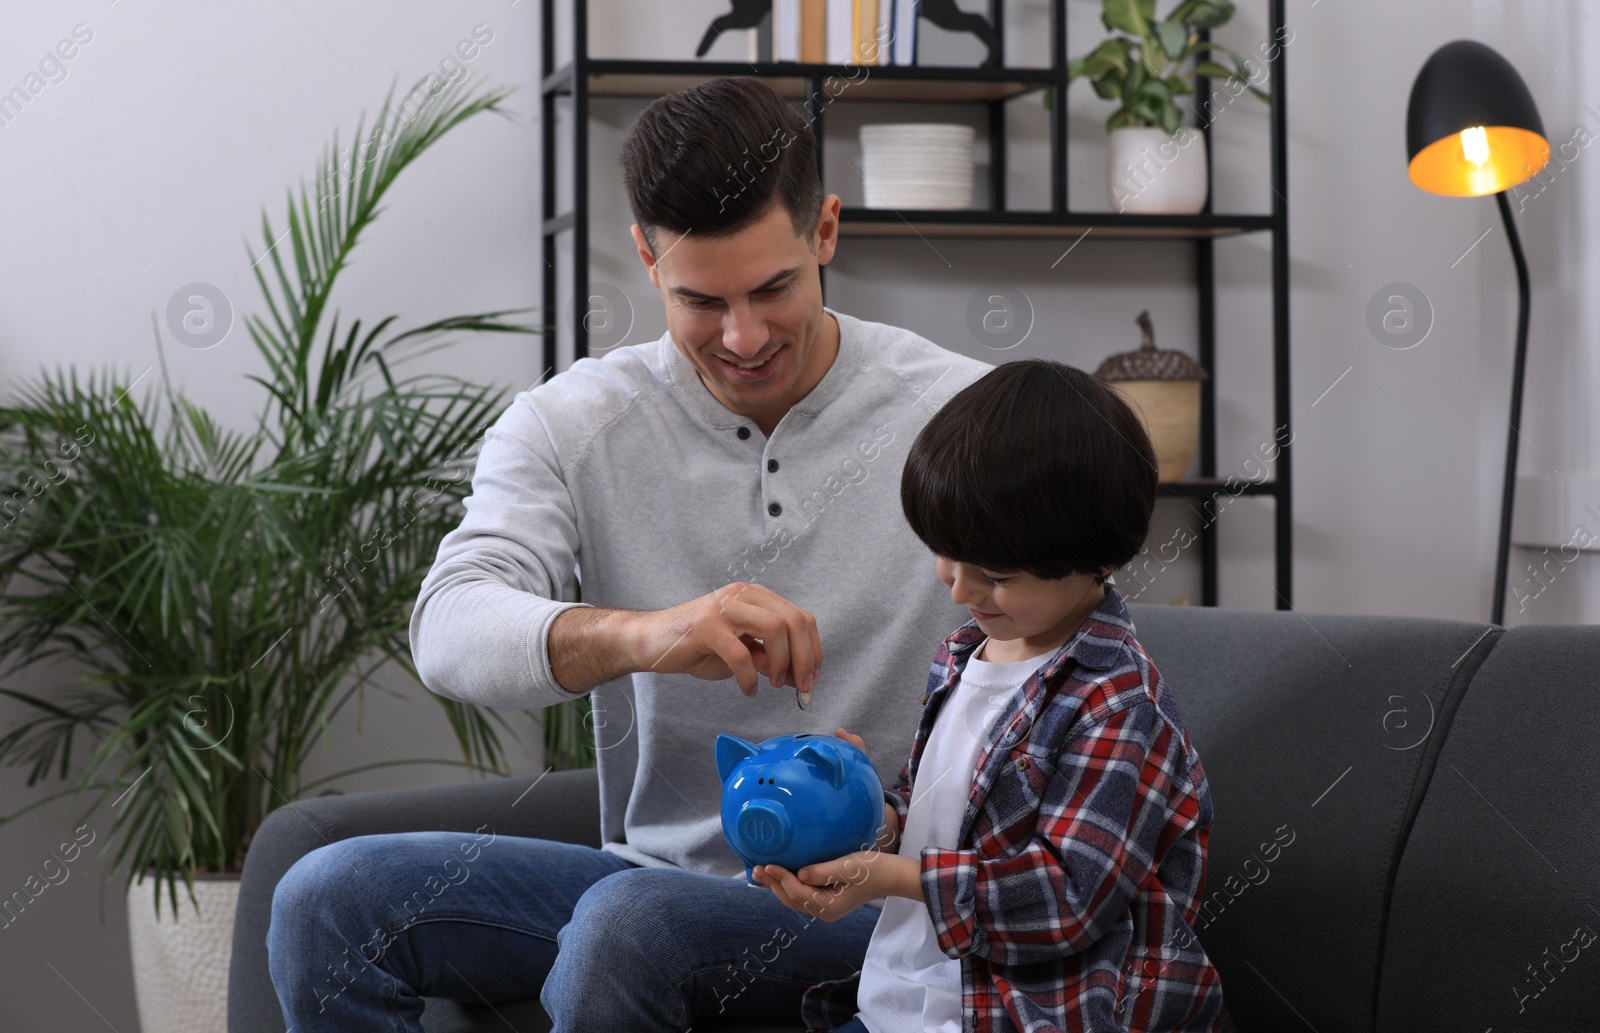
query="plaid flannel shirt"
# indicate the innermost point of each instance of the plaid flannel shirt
(1071, 899)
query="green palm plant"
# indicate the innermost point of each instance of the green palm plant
(227, 595)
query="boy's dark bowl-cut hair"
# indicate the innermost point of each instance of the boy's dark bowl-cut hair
(715, 157)
(1036, 466)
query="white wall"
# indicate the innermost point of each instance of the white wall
(1558, 215)
(148, 167)
(178, 122)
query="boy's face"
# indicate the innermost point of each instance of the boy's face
(754, 296)
(1015, 605)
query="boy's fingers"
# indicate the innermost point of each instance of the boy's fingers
(817, 874)
(851, 738)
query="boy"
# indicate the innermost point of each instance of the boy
(1044, 849)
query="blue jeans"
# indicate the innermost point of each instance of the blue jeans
(364, 928)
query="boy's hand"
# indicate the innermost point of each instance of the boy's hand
(851, 738)
(832, 889)
(890, 837)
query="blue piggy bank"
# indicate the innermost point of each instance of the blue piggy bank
(798, 799)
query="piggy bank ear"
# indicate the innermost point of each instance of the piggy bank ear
(825, 758)
(730, 751)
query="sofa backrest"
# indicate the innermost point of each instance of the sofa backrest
(1317, 733)
(1496, 905)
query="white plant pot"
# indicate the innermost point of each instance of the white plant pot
(180, 968)
(1151, 172)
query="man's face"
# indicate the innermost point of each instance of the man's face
(752, 297)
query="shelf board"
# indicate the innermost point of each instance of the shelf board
(972, 222)
(618, 77)
(976, 223)
(1201, 487)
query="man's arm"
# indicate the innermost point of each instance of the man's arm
(739, 631)
(589, 646)
(484, 610)
(489, 627)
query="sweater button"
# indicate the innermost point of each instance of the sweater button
(744, 432)
(772, 466)
(1022, 763)
(774, 508)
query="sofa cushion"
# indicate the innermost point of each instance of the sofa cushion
(1315, 732)
(1497, 901)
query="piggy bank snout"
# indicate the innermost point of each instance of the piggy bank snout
(764, 828)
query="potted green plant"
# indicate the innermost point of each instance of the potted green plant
(227, 595)
(1156, 163)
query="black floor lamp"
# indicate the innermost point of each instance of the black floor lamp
(1472, 129)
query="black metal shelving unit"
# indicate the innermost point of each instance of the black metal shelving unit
(584, 77)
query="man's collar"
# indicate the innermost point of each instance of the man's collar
(685, 379)
(1096, 644)
(852, 355)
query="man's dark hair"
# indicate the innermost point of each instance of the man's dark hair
(1036, 466)
(715, 157)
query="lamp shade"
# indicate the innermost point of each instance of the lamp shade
(1471, 126)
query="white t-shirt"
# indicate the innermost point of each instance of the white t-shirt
(907, 982)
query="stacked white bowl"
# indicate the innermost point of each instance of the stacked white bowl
(917, 165)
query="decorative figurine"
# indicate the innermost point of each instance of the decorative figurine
(946, 15)
(1163, 387)
(746, 14)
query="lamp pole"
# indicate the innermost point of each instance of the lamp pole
(1513, 438)
(1472, 129)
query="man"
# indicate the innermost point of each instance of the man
(729, 497)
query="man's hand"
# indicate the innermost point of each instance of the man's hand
(741, 630)
(833, 889)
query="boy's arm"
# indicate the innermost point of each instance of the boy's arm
(1114, 800)
(897, 800)
(898, 796)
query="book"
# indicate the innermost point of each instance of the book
(885, 33)
(761, 40)
(863, 43)
(841, 21)
(786, 30)
(814, 31)
(904, 47)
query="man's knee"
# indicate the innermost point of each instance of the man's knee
(626, 912)
(619, 963)
(310, 881)
(321, 889)
(321, 907)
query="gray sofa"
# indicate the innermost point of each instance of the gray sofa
(1406, 832)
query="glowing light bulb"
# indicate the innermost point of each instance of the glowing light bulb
(1475, 145)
